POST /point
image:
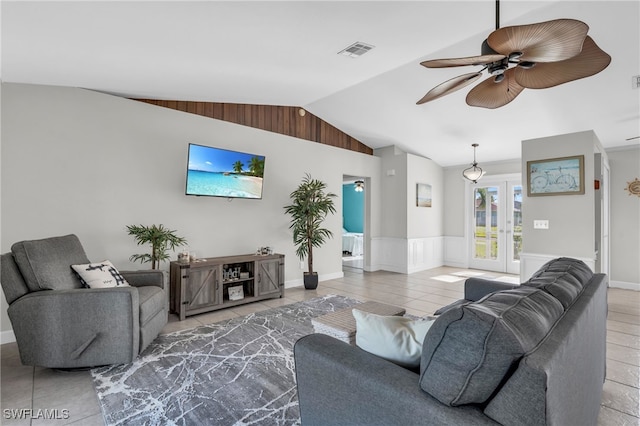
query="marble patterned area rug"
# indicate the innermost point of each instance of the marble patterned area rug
(236, 372)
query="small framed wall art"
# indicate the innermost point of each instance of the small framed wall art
(556, 176)
(423, 195)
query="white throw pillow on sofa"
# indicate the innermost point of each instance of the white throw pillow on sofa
(396, 339)
(100, 275)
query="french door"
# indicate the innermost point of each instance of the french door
(496, 225)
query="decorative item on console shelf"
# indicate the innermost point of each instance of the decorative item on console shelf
(264, 251)
(232, 273)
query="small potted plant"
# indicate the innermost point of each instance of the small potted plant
(310, 205)
(161, 240)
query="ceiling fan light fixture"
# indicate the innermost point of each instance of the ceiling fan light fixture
(533, 56)
(514, 56)
(526, 65)
(497, 69)
(473, 173)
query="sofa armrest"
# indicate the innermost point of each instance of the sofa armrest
(77, 328)
(144, 278)
(339, 384)
(476, 288)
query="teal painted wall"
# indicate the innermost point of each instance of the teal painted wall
(352, 208)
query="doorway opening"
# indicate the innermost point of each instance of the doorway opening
(495, 224)
(353, 221)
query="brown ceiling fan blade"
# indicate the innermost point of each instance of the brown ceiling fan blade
(590, 61)
(490, 94)
(460, 62)
(449, 86)
(549, 41)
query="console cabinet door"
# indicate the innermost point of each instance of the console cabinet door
(202, 287)
(269, 277)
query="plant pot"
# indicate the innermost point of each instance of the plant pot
(310, 281)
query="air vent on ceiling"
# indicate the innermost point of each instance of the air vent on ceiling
(356, 49)
(635, 81)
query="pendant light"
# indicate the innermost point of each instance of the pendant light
(359, 186)
(473, 173)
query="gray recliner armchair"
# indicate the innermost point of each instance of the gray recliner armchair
(59, 324)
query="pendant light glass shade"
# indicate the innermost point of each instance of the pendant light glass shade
(359, 186)
(473, 173)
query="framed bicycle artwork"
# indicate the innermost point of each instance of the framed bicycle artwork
(556, 176)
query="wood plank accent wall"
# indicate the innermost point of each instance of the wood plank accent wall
(285, 120)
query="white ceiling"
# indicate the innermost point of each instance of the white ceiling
(285, 53)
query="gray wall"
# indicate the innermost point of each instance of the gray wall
(400, 216)
(571, 217)
(625, 218)
(77, 161)
(424, 221)
(393, 185)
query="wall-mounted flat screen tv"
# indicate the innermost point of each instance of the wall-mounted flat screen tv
(219, 172)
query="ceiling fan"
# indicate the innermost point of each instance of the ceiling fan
(535, 56)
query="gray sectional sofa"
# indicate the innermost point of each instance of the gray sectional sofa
(529, 355)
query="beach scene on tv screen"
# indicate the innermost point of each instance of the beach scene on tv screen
(224, 173)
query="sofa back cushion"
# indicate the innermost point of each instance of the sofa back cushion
(472, 347)
(563, 278)
(46, 264)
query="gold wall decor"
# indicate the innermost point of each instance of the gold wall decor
(634, 187)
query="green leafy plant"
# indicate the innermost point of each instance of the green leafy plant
(161, 239)
(309, 207)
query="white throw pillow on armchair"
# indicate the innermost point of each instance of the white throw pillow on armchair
(100, 275)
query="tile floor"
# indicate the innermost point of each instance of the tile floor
(419, 293)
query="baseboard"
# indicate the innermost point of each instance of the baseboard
(7, 337)
(456, 264)
(625, 285)
(372, 268)
(322, 277)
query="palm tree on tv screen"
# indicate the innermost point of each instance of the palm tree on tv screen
(237, 166)
(256, 166)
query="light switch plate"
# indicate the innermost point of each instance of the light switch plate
(540, 224)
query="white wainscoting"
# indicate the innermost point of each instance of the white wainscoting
(407, 256)
(456, 252)
(531, 262)
(425, 253)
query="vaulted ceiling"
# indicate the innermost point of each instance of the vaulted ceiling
(285, 53)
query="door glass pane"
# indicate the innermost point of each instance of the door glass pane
(486, 223)
(516, 220)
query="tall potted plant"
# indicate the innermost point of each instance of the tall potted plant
(161, 240)
(310, 205)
